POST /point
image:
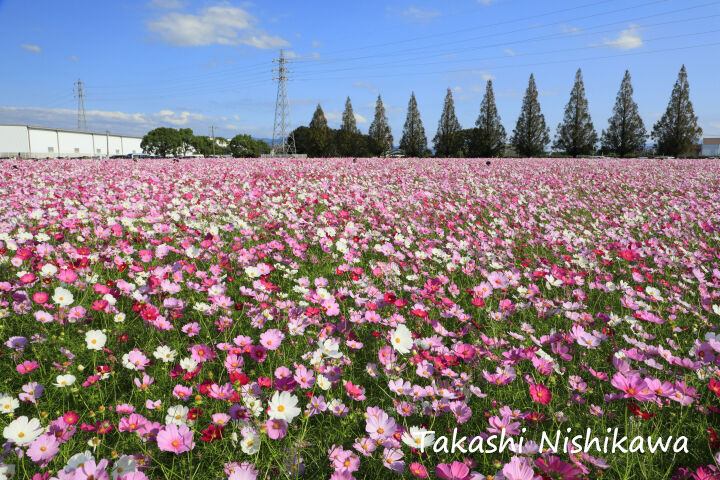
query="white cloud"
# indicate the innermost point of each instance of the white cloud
(336, 117)
(166, 4)
(457, 89)
(73, 58)
(510, 52)
(316, 44)
(220, 24)
(31, 48)
(292, 54)
(627, 40)
(484, 75)
(100, 120)
(570, 30)
(333, 116)
(417, 15)
(486, 2)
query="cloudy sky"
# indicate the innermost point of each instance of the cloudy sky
(183, 63)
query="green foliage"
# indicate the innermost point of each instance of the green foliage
(349, 123)
(626, 133)
(320, 135)
(576, 134)
(162, 141)
(446, 138)
(487, 139)
(414, 141)
(531, 135)
(380, 131)
(246, 146)
(677, 131)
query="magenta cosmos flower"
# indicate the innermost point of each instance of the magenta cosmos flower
(176, 439)
(540, 393)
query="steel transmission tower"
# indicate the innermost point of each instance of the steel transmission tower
(283, 142)
(82, 120)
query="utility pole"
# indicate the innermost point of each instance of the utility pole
(212, 130)
(283, 142)
(82, 120)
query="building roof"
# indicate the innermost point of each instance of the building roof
(711, 141)
(68, 130)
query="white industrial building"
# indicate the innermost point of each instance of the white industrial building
(28, 141)
(710, 147)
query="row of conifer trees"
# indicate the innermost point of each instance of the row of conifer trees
(675, 133)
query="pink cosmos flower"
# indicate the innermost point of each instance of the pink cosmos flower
(67, 276)
(276, 429)
(392, 459)
(271, 339)
(27, 366)
(92, 471)
(540, 393)
(176, 439)
(418, 470)
(518, 469)
(43, 449)
(553, 466)
(633, 386)
(41, 297)
(454, 471)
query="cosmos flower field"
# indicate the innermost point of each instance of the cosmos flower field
(240, 319)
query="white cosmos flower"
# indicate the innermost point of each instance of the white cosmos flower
(418, 437)
(8, 404)
(125, 464)
(64, 380)
(63, 297)
(283, 406)
(188, 364)
(95, 339)
(164, 353)
(48, 270)
(330, 348)
(7, 471)
(79, 459)
(323, 382)
(23, 430)
(250, 444)
(401, 339)
(177, 414)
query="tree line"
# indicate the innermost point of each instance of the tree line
(171, 142)
(675, 133)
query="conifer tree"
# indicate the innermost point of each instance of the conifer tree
(576, 134)
(413, 141)
(348, 119)
(626, 132)
(446, 139)
(530, 135)
(489, 134)
(678, 129)
(320, 135)
(380, 129)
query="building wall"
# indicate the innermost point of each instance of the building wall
(14, 138)
(75, 143)
(710, 150)
(44, 143)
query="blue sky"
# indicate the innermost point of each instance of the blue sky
(183, 63)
